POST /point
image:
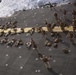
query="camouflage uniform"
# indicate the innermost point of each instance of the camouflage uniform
(74, 14)
(64, 13)
(46, 61)
(70, 36)
(74, 26)
(62, 26)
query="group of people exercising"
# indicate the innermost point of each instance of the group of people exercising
(32, 44)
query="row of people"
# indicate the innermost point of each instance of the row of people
(61, 24)
(10, 43)
(11, 32)
(10, 24)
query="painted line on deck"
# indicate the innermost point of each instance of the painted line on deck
(56, 29)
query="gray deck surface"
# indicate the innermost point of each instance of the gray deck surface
(62, 64)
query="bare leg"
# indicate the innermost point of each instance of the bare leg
(48, 65)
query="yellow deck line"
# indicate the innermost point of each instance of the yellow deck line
(56, 29)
